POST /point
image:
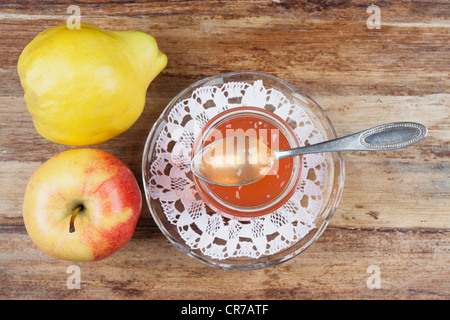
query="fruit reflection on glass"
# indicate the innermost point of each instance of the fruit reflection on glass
(82, 205)
(85, 86)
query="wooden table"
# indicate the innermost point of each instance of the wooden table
(394, 212)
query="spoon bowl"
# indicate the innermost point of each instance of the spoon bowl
(233, 161)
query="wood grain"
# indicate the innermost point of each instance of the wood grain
(394, 212)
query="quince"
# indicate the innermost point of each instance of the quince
(85, 86)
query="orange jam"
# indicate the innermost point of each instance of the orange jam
(262, 192)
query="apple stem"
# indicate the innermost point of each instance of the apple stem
(72, 218)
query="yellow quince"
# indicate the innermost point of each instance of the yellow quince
(85, 86)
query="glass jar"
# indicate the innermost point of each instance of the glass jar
(266, 195)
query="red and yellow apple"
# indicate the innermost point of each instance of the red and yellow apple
(82, 205)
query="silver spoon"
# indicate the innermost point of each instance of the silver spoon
(242, 160)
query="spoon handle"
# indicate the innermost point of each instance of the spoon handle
(390, 136)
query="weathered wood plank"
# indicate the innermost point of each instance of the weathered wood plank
(149, 266)
(321, 57)
(397, 11)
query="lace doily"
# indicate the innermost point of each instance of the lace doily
(213, 234)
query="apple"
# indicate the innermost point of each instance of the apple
(82, 205)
